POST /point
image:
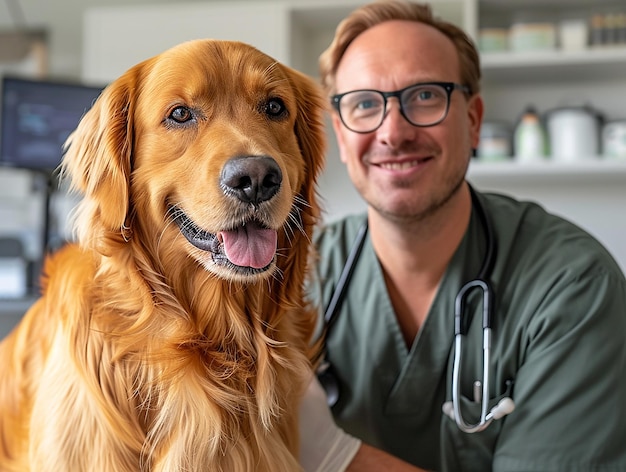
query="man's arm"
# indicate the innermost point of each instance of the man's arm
(370, 459)
(324, 447)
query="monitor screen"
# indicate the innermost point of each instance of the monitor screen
(37, 117)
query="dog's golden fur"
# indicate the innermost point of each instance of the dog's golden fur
(149, 350)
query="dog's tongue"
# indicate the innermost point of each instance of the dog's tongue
(250, 245)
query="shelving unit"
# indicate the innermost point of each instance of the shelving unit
(587, 171)
(591, 191)
(557, 65)
(548, 79)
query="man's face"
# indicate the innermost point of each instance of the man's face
(402, 170)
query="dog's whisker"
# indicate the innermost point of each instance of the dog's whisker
(278, 275)
(296, 219)
(171, 214)
(300, 200)
(289, 234)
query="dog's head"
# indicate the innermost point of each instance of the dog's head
(210, 151)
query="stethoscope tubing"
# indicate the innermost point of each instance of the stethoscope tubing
(332, 309)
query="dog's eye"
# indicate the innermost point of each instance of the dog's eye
(181, 114)
(275, 108)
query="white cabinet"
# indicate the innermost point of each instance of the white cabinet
(292, 31)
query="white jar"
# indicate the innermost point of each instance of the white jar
(574, 133)
(573, 35)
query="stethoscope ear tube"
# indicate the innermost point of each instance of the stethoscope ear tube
(482, 386)
(460, 325)
(460, 330)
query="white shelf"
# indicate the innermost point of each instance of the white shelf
(591, 171)
(593, 63)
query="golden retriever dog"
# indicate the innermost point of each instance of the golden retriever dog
(174, 335)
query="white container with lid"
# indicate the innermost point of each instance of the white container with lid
(574, 133)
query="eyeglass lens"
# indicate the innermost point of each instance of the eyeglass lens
(422, 105)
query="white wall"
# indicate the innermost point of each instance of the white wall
(116, 38)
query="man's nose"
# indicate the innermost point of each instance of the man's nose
(395, 128)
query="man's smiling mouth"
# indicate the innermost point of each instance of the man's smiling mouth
(401, 165)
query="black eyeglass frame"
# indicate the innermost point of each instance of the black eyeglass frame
(449, 87)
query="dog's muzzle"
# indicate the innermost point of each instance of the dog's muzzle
(249, 245)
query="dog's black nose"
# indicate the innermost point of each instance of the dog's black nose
(252, 179)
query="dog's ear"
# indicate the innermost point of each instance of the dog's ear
(98, 161)
(311, 133)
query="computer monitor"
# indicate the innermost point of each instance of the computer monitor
(37, 117)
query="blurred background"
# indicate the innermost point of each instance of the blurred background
(554, 84)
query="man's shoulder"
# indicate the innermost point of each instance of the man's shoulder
(529, 219)
(530, 234)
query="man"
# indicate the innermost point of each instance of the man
(407, 115)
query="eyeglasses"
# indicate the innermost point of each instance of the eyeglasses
(426, 104)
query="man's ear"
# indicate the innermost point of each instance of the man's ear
(475, 110)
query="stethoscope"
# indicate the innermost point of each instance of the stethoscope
(328, 378)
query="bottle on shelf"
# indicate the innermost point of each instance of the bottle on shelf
(530, 143)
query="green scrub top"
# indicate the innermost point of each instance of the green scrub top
(558, 349)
